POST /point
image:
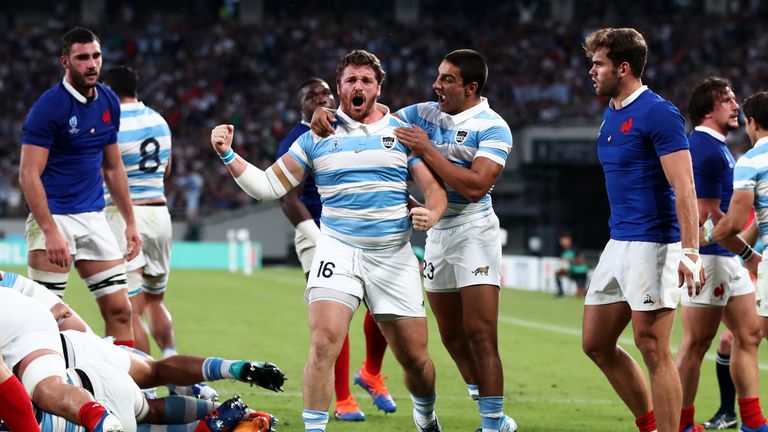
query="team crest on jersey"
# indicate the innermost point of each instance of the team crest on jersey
(388, 142)
(73, 125)
(106, 117)
(461, 136)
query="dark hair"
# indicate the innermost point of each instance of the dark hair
(472, 67)
(80, 35)
(123, 80)
(623, 44)
(360, 58)
(704, 95)
(756, 107)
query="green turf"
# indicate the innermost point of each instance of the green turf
(550, 385)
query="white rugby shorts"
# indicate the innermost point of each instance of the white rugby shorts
(25, 326)
(388, 280)
(643, 274)
(81, 348)
(88, 236)
(465, 255)
(726, 278)
(762, 289)
(155, 228)
(115, 390)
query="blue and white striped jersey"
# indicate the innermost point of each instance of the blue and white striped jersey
(751, 174)
(145, 143)
(361, 172)
(476, 132)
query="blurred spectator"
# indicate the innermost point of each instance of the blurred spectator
(199, 73)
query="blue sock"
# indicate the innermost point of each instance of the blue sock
(314, 421)
(491, 411)
(216, 368)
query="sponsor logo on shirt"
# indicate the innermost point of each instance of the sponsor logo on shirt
(73, 125)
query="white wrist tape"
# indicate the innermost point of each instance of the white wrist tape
(309, 229)
(693, 266)
(263, 185)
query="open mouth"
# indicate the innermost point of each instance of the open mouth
(357, 101)
(441, 98)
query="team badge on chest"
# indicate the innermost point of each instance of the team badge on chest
(461, 136)
(388, 142)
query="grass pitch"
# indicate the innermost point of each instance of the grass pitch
(550, 385)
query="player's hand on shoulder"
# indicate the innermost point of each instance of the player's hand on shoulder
(221, 137)
(322, 122)
(415, 138)
(423, 218)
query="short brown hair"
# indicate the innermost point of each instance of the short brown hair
(360, 58)
(623, 44)
(756, 107)
(80, 35)
(704, 95)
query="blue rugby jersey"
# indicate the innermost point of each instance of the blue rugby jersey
(361, 172)
(713, 173)
(75, 131)
(629, 144)
(476, 132)
(751, 174)
(309, 196)
(145, 146)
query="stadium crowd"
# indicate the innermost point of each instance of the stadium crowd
(194, 72)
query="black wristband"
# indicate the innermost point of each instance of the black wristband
(746, 253)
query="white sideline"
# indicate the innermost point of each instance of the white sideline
(552, 328)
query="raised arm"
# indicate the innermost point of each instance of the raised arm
(435, 199)
(677, 168)
(268, 185)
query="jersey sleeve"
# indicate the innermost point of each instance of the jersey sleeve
(301, 151)
(409, 114)
(495, 143)
(40, 126)
(707, 171)
(666, 129)
(745, 174)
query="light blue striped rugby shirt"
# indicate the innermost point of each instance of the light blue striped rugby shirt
(145, 145)
(476, 132)
(751, 174)
(361, 172)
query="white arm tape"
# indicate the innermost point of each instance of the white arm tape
(694, 267)
(309, 230)
(262, 185)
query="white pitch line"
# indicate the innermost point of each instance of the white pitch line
(570, 331)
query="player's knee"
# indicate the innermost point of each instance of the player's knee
(748, 338)
(55, 282)
(596, 349)
(414, 359)
(325, 346)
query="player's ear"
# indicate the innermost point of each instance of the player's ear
(64, 61)
(470, 89)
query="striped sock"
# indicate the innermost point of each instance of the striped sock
(491, 412)
(216, 368)
(314, 421)
(424, 409)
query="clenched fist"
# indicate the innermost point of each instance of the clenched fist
(221, 137)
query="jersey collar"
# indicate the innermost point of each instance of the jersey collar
(760, 142)
(708, 130)
(132, 106)
(449, 121)
(631, 98)
(367, 128)
(76, 94)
